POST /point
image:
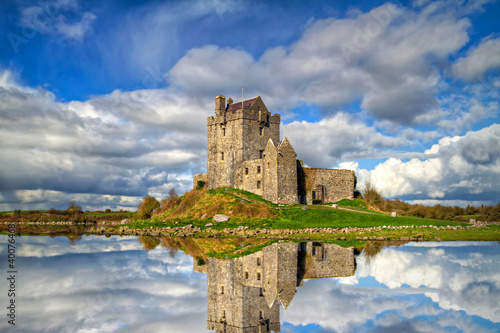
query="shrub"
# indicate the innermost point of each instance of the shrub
(371, 194)
(148, 242)
(146, 207)
(200, 184)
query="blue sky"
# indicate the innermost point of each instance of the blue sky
(104, 102)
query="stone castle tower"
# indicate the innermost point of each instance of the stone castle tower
(244, 151)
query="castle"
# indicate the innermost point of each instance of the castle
(245, 152)
(244, 294)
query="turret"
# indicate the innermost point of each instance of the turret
(220, 104)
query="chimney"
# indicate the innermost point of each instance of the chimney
(220, 104)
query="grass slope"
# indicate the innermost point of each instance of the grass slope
(248, 209)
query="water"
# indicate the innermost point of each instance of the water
(101, 284)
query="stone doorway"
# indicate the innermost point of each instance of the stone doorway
(318, 195)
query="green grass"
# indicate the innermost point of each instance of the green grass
(335, 218)
(360, 203)
(245, 194)
(24, 211)
(128, 214)
(296, 218)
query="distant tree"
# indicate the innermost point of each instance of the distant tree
(108, 210)
(172, 194)
(73, 207)
(146, 207)
(494, 213)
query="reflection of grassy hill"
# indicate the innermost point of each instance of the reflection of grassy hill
(223, 248)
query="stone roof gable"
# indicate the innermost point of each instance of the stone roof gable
(283, 143)
(246, 104)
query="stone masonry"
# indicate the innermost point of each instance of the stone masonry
(244, 151)
(244, 294)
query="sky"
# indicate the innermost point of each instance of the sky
(105, 102)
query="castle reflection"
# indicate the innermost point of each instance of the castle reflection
(244, 294)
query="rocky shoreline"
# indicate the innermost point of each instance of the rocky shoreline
(116, 228)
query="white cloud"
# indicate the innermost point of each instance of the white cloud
(478, 61)
(467, 164)
(123, 145)
(340, 137)
(392, 71)
(58, 18)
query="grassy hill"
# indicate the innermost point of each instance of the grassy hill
(198, 208)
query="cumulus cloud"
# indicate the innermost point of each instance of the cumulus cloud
(458, 166)
(478, 61)
(387, 58)
(121, 145)
(338, 138)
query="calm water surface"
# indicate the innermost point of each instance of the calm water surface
(100, 284)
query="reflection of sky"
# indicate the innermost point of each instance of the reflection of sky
(113, 285)
(104, 285)
(419, 287)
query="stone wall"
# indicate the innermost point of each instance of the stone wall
(287, 173)
(240, 290)
(328, 260)
(249, 181)
(200, 176)
(239, 306)
(336, 184)
(270, 177)
(280, 272)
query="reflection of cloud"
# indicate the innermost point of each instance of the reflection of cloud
(37, 247)
(111, 284)
(105, 285)
(461, 276)
(427, 288)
